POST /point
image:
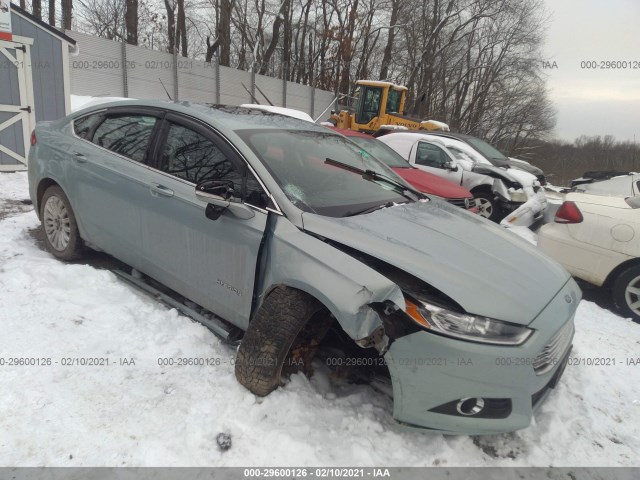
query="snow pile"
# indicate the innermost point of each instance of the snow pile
(289, 112)
(146, 414)
(78, 102)
(554, 188)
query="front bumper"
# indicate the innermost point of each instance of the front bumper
(429, 371)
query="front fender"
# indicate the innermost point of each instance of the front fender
(344, 285)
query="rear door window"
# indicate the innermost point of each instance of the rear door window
(84, 126)
(126, 135)
(193, 157)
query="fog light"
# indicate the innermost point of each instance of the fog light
(470, 406)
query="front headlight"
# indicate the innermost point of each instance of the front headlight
(465, 326)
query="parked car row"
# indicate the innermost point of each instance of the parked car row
(500, 191)
(296, 236)
(425, 182)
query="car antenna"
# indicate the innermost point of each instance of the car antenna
(253, 97)
(265, 97)
(165, 89)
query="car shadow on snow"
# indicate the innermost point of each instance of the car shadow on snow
(599, 295)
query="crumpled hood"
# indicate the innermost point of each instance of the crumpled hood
(484, 268)
(525, 179)
(507, 162)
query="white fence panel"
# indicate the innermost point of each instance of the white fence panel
(147, 71)
(100, 69)
(197, 81)
(97, 70)
(232, 91)
(323, 101)
(299, 97)
(272, 88)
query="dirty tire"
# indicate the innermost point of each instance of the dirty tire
(73, 247)
(488, 205)
(625, 293)
(270, 336)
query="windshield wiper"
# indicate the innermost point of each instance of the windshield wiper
(370, 209)
(373, 176)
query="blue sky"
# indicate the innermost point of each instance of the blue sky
(592, 101)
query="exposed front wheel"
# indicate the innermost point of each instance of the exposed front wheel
(60, 227)
(488, 206)
(626, 293)
(287, 326)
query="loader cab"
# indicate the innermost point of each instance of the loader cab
(368, 102)
(377, 99)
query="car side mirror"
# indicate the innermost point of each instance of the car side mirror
(451, 166)
(633, 202)
(220, 195)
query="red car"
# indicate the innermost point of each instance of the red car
(423, 181)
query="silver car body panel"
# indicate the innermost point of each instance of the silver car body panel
(460, 254)
(154, 222)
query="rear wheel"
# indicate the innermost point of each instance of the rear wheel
(626, 293)
(288, 327)
(488, 206)
(60, 227)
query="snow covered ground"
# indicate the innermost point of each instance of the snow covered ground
(151, 415)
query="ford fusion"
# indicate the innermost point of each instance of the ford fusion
(296, 239)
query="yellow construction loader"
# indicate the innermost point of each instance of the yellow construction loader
(380, 106)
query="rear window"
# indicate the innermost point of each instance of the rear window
(127, 135)
(83, 126)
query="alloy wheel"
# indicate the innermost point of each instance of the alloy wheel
(485, 207)
(632, 295)
(57, 224)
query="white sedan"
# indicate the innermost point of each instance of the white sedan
(596, 236)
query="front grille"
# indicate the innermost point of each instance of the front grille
(461, 202)
(536, 397)
(554, 351)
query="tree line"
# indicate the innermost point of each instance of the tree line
(475, 64)
(563, 161)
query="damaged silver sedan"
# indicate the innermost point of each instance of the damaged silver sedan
(296, 240)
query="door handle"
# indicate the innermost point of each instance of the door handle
(157, 189)
(79, 157)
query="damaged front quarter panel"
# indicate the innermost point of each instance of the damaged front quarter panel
(349, 288)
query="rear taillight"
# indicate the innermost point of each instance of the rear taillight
(568, 213)
(33, 138)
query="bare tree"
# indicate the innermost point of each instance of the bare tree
(181, 29)
(67, 9)
(104, 18)
(171, 25)
(388, 49)
(224, 31)
(131, 21)
(37, 9)
(52, 13)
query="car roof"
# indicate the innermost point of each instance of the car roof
(621, 186)
(350, 133)
(225, 118)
